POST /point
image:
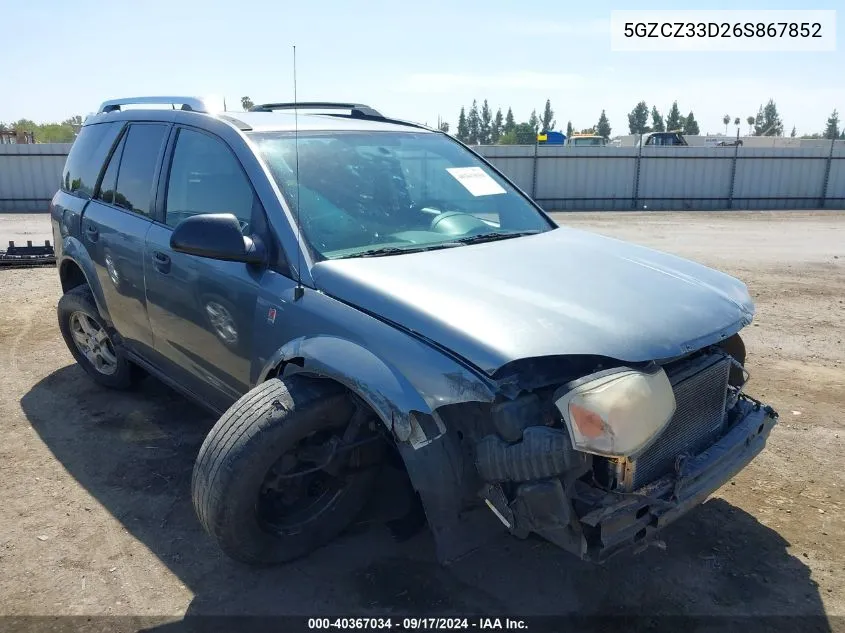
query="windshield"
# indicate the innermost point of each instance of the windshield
(387, 193)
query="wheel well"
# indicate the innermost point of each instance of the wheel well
(71, 275)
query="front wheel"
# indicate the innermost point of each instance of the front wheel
(285, 470)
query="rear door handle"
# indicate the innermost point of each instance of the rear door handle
(161, 262)
(92, 232)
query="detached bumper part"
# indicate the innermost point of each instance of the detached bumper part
(595, 524)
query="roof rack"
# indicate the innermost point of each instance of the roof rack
(192, 104)
(356, 110)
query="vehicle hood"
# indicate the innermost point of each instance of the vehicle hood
(565, 291)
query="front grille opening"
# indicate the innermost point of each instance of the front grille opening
(701, 387)
(639, 536)
(643, 511)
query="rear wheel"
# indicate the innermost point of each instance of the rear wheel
(93, 342)
(286, 469)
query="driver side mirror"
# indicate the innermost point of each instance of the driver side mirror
(216, 236)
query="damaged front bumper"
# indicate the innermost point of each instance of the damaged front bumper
(595, 524)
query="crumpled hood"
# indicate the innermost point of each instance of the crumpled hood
(562, 292)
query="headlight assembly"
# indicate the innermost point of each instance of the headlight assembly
(617, 412)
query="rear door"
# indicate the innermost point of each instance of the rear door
(202, 310)
(115, 224)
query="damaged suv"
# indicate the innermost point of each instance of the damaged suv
(345, 289)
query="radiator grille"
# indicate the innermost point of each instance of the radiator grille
(700, 393)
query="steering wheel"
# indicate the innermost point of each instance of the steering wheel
(430, 206)
(457, 223)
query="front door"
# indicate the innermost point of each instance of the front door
(202, 310)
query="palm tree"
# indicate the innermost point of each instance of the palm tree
(751, 121)
(726, 120)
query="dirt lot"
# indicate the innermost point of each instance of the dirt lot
(97, 517)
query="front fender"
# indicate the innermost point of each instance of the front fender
(401, 396)
(73, 250)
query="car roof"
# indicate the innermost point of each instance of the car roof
(280, 117)
(310, 122)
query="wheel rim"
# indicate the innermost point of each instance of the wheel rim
(288, 499)
(93, 342)
(307, 480)
(222, 322)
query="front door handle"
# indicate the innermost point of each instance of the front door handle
(161, 262)
(92, 232)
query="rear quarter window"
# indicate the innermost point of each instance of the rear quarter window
(86, 157)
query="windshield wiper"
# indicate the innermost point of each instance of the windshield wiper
(395, 250)
(492, 237)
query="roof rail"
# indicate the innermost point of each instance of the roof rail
(193, 104)
(356, 110)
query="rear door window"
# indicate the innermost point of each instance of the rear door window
(86, 157)
(109, 182)
(142, 149)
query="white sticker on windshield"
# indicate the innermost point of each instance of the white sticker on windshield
(477, 181)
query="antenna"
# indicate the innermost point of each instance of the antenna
(299, 290)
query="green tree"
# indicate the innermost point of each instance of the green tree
(727, 121)
(485, 127)
(793, 132)
(510, 123)
(657, 124)
(54, 133)
(638, 119)
(246, 103)
(443, 126)
(508, 138)
(691, 126)
(463, 128)
(473, 124)
(534, 122)
(496, 128)
(751, 121)
(548, 119)
(768, 121)
(602, 127)
(525, 133)
(832, 129)
(674, 120)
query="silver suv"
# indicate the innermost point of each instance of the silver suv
(344, 289)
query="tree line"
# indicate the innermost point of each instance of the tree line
(63, 132)
(638, 120)
(480, 126)
(767, 122)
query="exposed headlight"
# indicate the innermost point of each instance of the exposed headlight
(616, 412)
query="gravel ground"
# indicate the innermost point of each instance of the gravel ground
(97, 518)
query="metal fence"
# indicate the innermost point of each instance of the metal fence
(574, 178)
(30, 174)
(675, 178)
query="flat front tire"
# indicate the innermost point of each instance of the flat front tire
(247, 488)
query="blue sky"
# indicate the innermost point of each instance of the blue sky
(415, 60)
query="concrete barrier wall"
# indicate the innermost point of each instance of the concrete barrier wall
(574, 178)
